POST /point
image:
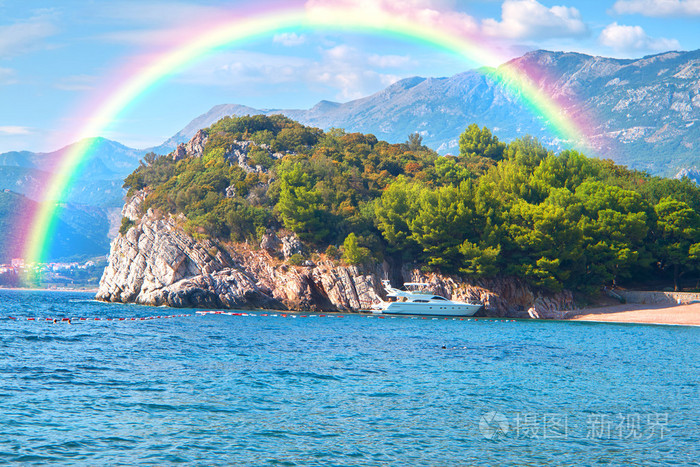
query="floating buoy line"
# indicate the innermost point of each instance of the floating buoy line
(66, 320)
(72, 320)
(334, 315)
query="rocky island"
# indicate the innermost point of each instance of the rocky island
(262, 212)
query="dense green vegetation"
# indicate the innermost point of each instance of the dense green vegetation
(556, 220)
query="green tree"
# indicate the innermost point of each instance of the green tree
(543, 244)
(414, 142)
(479, 261)
(476, 142)
(299, 205)
(615, 227)
(449, 171)
(526, 151)
(444, 219)
(394, 211)
(353, 253)
(677, 237)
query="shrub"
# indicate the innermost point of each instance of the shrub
(332, 252)
(296, 259)
(126, 225)
(352, 252)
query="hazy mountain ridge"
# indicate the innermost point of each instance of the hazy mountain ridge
(90, 218)
(81, 231)
(109, 160)
(642, 108)
(646, 108)
(693, 174)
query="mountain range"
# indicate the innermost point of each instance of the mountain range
(89, 216)
(80, 232)
(645, 110)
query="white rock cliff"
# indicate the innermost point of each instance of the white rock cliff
(157, 263)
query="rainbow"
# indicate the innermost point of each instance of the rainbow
(437, 29)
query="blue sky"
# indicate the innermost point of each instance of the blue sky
(55, 56)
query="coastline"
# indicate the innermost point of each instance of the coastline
(631, 313)
(44, 289)
(679, 315)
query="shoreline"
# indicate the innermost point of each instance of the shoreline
(44, 289)
(629, 313)
(640, 313)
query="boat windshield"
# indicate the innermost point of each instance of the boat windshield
(437, 297)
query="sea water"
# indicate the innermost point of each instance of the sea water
(286, 389)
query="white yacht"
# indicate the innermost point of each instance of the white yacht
(405, 302)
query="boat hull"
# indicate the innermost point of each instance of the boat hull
(431, 309)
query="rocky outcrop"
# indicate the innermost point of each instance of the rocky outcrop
(238, 154)
(157, 263)
(193, 148)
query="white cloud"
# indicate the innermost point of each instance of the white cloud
(633, 39)
(15, 130)
(355, 83)
(658, 7)
(341, 52)
(349, 71)
(23, 37)
(432, 13)
(156, 12)
(153, 23)
(289, 39)
(529, 19)
(141, 37)
(244, 67)
(7, 76)
(76, 83)
(388, 61)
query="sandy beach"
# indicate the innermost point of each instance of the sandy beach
(688, 315)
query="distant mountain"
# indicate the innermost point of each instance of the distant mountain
(91, 216)
(99, 182)
(203, 121)
(108, 160)
(91, 192)
(80, 233)
(693, 174)
(646, 111)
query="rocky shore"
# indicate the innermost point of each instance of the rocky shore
(157, 263)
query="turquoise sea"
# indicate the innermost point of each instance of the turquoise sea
(350, 390)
